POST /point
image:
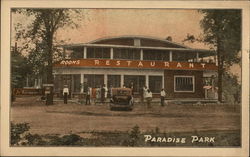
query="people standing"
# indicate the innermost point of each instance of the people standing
(142, 94)
(102, 94)
(236, 97)
(88, 96)
(148, 98)
(144, 90)
(105, 92)
(163, 95)
(65, 94)
(110, 94)
(132, 87)
(97, 94)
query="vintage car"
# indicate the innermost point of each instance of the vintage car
(121, 98)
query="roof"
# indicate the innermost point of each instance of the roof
(146, 42)
(138, 37)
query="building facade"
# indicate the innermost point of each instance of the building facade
(121, 61)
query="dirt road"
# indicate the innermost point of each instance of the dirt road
(76, 118)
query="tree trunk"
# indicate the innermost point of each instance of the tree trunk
(220, 90)
(50, 78)
(220, 70)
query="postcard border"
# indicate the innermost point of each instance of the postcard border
(245, 48)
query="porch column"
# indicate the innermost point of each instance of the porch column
(81, 81)
(122, 80)
(170, 56)
(106, 80)
(215, 60)
(197, 57)
(147, 81)
(141, 54)
(111, 53)
(85, 52)
(163, 82)
(35, 83)
(72, 85)
(39, 82)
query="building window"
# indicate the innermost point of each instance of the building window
(122, 53)
(159, 55)
(184, 56)
(138, 82)
(155, 83)
(77, 53)
(76, 83)
(184, 83)
(114, 80)
(94, 52)
(94, 81)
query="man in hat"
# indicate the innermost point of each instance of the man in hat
(65, 94)
(163, 95)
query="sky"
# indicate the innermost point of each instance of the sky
(160, 23)
(100, 23)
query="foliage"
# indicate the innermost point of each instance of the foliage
(231, 93)
(69, 140)
(222, 29)
(19, 69)
(21, 136)
(222, 32)
(134, 136)
(33, 140)
(39, 36)
(190, 38)
(17, 131)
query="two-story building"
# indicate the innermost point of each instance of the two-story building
(157, 63)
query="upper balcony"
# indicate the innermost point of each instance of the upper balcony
(137, 48)
(121, 53)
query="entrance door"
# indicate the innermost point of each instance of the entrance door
(138, 81)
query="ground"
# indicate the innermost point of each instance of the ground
(81, 119)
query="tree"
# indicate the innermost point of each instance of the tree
(41, 32)
(20, 69)
(222, 31)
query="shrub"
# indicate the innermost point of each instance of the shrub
(34, 140)
(134, 136)
(17, 131)
(71, 139)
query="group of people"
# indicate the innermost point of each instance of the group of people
(100, 94)
(147, 94)
(103, 93)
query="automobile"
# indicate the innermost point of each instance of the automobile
(122, 98)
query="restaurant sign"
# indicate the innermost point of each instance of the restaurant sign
(136, 64)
